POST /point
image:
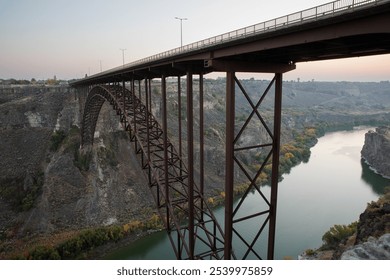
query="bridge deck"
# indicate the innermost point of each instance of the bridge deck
(339, 29)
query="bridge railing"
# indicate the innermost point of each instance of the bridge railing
(312, 14)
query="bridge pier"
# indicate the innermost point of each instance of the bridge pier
(275, 164)
(262, 216)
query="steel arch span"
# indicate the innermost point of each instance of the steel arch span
(95, 100)
(177, 199)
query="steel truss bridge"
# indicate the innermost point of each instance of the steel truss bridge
(340, 29)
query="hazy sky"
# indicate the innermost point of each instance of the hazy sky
(69, 38)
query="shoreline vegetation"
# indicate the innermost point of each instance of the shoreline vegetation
(81, 244)
(96, 243)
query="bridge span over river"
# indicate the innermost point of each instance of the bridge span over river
(339, 29)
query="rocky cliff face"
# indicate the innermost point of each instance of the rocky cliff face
(376, 150)
(372, 238)
(47, 190)
(372, 249)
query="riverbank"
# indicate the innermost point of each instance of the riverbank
(368, 238)
(88, 243)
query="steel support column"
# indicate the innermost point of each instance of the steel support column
(179, 122)
(275, 164)
(201, 143)
(165, 147)
(190, 148)
(134, 108)
(124, 101)
(147, 107)
(229, 168)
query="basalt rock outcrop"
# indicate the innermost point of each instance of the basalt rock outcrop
(376, 150)
(372, 249)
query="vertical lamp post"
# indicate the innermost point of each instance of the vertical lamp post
(123, 56)
(181, 29)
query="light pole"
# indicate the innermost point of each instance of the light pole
(123, 56)
(181, 29)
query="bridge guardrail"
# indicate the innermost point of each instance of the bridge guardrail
(311, 14)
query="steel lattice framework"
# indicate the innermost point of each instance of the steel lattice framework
(180, 202)
(176, 195)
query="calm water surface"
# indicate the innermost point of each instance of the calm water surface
(333, 187)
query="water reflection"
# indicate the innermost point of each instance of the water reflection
(151, 247)
(377, 183)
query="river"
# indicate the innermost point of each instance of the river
(333, 187)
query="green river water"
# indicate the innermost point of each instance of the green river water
(333, 187)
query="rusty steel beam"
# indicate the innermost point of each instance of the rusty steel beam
(190, 157)
(201, 140)
(248, 66)
(179, 121)
(275, 164)
(147, 100)
(229, 163)
(165, 147)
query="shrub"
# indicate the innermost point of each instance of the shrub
(82, 160)
(336, 234)
(75, 247)
(310, 252)
(210, 201)
(57, 138)
(44, 253)
(22, 199)
(133, 226)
